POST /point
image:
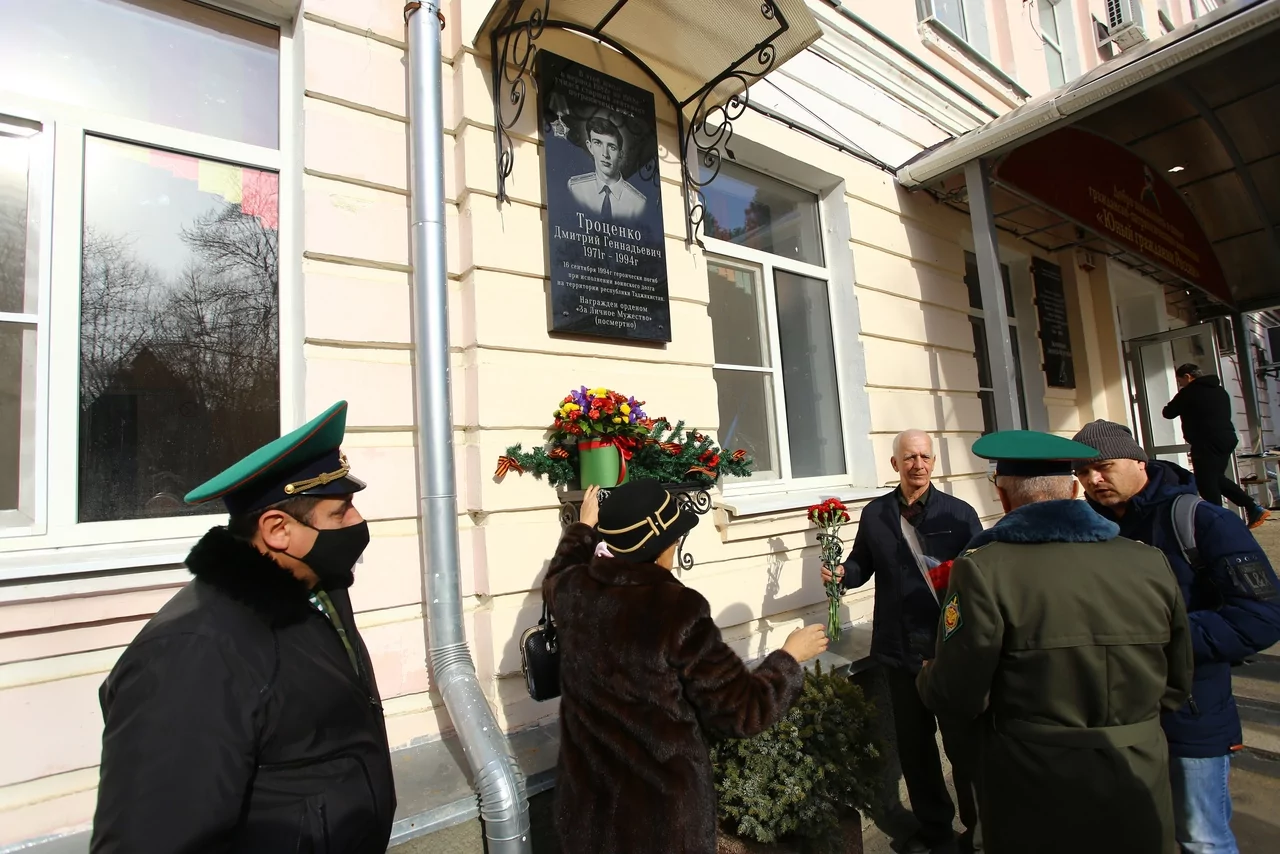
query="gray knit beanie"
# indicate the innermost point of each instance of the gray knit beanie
(1112, 441)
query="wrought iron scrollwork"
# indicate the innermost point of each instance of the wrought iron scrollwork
(710, 128)
(513, 70)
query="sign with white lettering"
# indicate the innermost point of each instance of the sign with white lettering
(1055, 332)
(605, 240)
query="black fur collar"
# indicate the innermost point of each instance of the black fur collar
(247, 575)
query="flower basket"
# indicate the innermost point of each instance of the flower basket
(600, 437)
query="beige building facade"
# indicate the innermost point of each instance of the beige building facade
(291, 120)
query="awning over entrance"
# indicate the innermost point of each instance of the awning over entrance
(701, 55)
(1201, 107)
(688, 46)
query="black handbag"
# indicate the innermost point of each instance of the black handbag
(540, 658)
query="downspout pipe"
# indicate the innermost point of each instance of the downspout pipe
(504, 805)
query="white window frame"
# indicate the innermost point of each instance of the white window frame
(742, 257)
(745, 496)
(55, 543)
(973, 14)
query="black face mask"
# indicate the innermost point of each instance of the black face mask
(334, 554)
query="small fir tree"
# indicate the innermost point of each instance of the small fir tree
(800, 778)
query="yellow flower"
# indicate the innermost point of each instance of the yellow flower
(598, 392)
(626, 410)
(617, 420)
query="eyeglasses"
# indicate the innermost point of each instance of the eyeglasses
(991, 476)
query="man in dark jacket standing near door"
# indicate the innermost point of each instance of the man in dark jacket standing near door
(1233, 607)
(245, 717)
(1205, 409)
(901, 536)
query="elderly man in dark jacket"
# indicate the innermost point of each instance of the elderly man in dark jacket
(1206, 411)
(901, 537)
(1233, 604)
(245, 717)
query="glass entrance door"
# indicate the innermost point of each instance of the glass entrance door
(1152, 360)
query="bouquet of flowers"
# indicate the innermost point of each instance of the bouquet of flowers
(587, 413)
(829, 516)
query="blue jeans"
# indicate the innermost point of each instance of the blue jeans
(1202, 805)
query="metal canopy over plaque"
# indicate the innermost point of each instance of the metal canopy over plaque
(605, 240)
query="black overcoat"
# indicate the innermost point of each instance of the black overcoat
(236, 722)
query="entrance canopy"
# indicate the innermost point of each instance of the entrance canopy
(1201, 107)
(701, 55)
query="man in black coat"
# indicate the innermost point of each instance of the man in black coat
(245, 716)
(906, 540)
(1206, 411)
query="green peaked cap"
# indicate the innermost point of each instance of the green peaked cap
(306, 461)
(1031, 453)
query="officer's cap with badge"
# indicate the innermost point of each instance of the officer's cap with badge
(1030, 453)
(306, 462)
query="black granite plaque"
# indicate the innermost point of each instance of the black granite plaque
(604, 204)
(1055, 336)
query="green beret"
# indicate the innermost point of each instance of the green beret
(1031, 453)
(307, 461)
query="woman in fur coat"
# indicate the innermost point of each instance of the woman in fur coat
(644, 676)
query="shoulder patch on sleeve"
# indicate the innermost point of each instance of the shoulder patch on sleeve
(951, 618)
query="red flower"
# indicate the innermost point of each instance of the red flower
(594, 414)
(940, 576)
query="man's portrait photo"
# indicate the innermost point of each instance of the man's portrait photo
(603, 192)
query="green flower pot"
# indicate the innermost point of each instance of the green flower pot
(600, 464)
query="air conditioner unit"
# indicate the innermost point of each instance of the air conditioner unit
(1124, 23)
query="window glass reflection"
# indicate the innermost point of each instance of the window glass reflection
(754, 210)
(165, 61)
(179, 327)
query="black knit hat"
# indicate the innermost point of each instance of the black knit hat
(1112, 441)
(640, 519)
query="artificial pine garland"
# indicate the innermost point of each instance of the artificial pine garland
(663, 455)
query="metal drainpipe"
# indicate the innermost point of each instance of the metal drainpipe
(504, 806)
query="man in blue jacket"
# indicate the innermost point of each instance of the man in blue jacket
(1233, 606)
(901, 536)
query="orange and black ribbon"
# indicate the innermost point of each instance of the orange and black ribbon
(558, 454)
(672, 448)
(739, 455)
(699, 469)
(507, 464)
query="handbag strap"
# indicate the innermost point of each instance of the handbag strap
(547, 622)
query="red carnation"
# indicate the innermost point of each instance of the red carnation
(940, 576)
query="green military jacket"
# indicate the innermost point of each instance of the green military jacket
(1062, 641)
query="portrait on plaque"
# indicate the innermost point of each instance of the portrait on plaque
(605, 240)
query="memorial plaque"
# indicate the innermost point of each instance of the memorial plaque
(1055, 335)
(605, 239)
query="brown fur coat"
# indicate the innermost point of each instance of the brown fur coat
(643, 675)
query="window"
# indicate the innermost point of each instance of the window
(139, 269)
(1051, 35)
(982, 353)
(775, 353)
(965, 19)
(21, 144)
(179, 325)
(170, 62)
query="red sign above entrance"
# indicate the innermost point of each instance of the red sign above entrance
(1109, 190)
